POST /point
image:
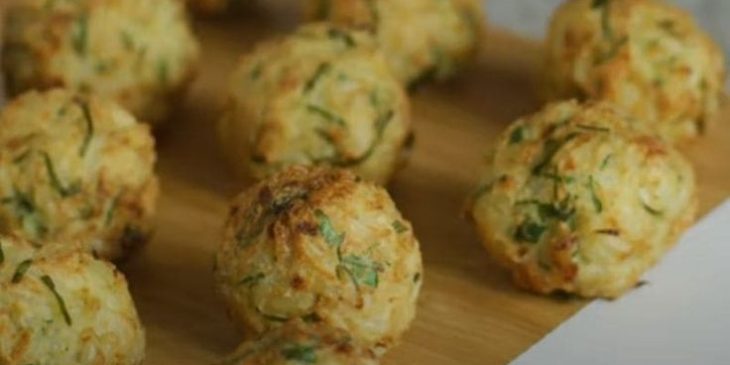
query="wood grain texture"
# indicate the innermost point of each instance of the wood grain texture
(469, 312)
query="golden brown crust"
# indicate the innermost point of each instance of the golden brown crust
(323, 245)
(646, 56)
(76, 169)
(320, 96)
(581, 199)
(141, 54)
(60, 305)
(422, 39)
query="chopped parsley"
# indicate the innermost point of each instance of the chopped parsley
(21, 270)
(651, 210)
(111, 210)
(342, 36)
(127, 40)
(322, 69)
(517, 135)
(606, 160)
(80, 35)
(61, 303)
(302, 353)
(163, 71)
(529, 231)
(326, 114)
(25, 209)
(252, 279)
(399, 227)
(64, 191)
(327, 230)
(594, 196)
(552, 147)
(88, 119)
(362, 270)
(593, 128)
(380, 125)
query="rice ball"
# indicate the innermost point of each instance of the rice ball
(320, 245)
(320, 96)
(76, 168)
(62, 306)
(422, 39)
(302, 343)
(581, 199)
(140, 53)
(646, 56)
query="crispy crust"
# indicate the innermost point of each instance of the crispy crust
(66, 308)
(646, 56)
(320, 244)
(320, 96)
(76, 169)
(422, 39)
(140, 53)
(581, 199)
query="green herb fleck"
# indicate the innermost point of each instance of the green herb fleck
(328, 230)
(25, 209)
(529, 231)
(61, 304)
(362, 270)
(399, 227)
(380, 125)
(593, 128)
(322, 69)
(312, 318)
(21, 270)
(552, 147)
(111, 210)
(163, 71)
(416, 277)
(342, 36)
(80, 35)
(606, 160)
(594, 196)
(326, 114)
(127, 40)
(256, 71)
(65, 192)
(86, 111)
(22, 157)
(301, 353)
(517, 135)
(651, 210)
(251, 279)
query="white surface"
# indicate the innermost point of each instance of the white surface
(681, 316)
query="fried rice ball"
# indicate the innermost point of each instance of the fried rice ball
(76, 168)
(140, 53)
(321, 96)
(322, 245)
(646, 56)
(302, 343)
(581, 199)
(59, 305)
(422, 39)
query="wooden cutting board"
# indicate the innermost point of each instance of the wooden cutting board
(469, 312)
